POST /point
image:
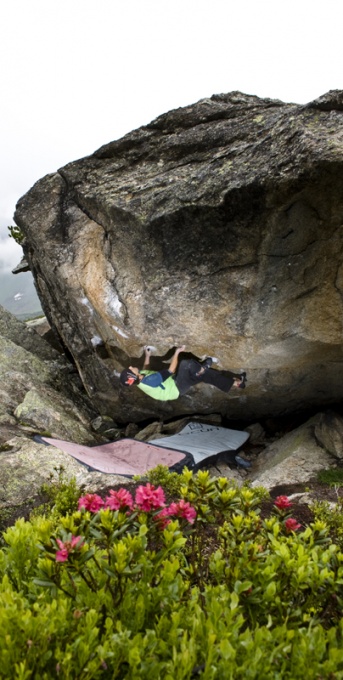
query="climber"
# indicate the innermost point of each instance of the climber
(169, 384)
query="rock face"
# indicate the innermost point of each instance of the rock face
(38, 387)
(218, 225)
(39, 392)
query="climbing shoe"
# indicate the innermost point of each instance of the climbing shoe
(243, 377)
(205, 365)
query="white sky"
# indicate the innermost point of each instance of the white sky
(76, 74)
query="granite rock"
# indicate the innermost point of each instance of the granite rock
(218, 225)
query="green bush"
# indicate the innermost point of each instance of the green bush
(332, 477)
(16, 233)
(200, 588)
(332, 515)
(160, 476)
(61, 494)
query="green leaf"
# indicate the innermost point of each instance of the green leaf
(242, 587)
(86, 556)
(44, 583)
(270, 591)
(234, 601)
(226, 649)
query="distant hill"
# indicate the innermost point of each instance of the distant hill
(18, 295)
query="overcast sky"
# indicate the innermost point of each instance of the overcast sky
(76, 74)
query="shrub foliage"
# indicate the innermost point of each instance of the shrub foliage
(133, 588)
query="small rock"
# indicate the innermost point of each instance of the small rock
(103, 424)
(131, 430)
(150, 432)
(111, 434)
(305, 497)
(257, 433)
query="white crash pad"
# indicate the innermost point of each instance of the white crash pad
(203, 441)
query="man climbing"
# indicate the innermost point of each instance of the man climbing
(167, 384)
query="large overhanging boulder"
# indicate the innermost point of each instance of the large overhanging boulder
(219, 225)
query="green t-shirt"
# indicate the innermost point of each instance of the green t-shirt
(169, 392)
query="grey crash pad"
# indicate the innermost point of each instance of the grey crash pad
(203, 441)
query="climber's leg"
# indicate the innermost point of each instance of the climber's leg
(223, 382)
(187, 375)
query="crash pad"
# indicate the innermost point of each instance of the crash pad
(126, 457)
(195, 445)
(203, 441)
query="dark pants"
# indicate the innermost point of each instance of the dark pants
(186, 377)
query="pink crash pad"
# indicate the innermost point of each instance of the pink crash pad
(124, 457)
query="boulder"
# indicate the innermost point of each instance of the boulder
(39, 393)
(46, 410)
(329, 433)
(25, 466)
(29, 406)
(25, 335)
(20, 370)
(43, 329)
(295, 458)
(38, 387)
(218, 225)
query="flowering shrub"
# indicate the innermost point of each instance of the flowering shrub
(66, 548)
(119, 500)
(91, 502)
(292, 524)
(202, 587)
(283, 503)
(148, 498)
(182, 509)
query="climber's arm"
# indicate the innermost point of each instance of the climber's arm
(147, 351)
(175, 359)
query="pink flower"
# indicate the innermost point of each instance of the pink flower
(283, 502)
(292, 524)
(67, 547)
(62, 554)
(118, 500)
(183, 509)
(162, 518)
(148, 498)
(91, 502)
